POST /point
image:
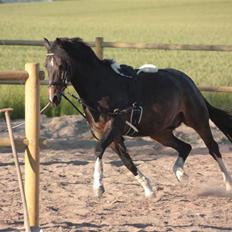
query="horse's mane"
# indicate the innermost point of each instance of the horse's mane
(76, 48)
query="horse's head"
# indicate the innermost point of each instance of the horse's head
(58, 69)
(67, 58)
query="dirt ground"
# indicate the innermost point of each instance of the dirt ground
(67, 202)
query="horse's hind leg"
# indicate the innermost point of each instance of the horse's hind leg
(119, 147)
(168, 139)
(207, 137)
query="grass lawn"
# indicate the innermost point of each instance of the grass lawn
(154, 21)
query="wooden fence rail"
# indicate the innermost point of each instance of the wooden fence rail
(21, 42)
(218, 89)
(188, 47)
(100, 44)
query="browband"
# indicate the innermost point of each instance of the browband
(50, 54)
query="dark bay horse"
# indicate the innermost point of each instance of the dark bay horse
(167, 97)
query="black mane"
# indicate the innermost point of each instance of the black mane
(76, 48)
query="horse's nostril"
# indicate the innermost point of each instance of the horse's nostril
(56, 100)
(54, 95)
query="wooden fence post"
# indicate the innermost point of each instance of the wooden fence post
(32, 128)
(99, 47)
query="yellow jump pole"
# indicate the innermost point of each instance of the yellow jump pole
(19, 174)
(32, 128)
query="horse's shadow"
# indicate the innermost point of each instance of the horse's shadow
(203, 227)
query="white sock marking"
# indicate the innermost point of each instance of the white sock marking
(179, 173)
(145, 182)
(98, 174)
(226, 176)
(178, 168)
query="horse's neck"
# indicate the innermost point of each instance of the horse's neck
(87, 83)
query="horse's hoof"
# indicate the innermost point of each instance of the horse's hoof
(180, 175)
(98, 192)
(228, 182)
(228, 186)
(149, 194)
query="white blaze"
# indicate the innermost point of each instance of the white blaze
(52, 61)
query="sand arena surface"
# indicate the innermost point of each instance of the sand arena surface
(66, 197)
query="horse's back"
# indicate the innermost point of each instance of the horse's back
(189, 89)
(172, 82)
(173, 93)
(193, 103)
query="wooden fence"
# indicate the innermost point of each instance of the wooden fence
(31, 77)
(100, 44)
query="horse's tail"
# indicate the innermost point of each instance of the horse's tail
(222, 119)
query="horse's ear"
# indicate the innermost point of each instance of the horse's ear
(60, 42)
(46, 43)
(76, 39)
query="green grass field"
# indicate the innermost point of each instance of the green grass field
(154, 21)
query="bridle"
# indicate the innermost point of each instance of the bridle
(64, 83)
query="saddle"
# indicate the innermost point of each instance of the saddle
(132, 73)
(128, 71)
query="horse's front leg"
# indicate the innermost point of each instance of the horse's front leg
(112, 130)
(98, 186)
(120, 148)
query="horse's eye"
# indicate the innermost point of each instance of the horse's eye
(62, 66)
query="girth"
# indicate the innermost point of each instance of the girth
(135, 119)
(137, 109)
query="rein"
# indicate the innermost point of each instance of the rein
(22, 123)
(77, 109)
(116, 112)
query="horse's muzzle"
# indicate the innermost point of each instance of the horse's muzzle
(54, 95)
